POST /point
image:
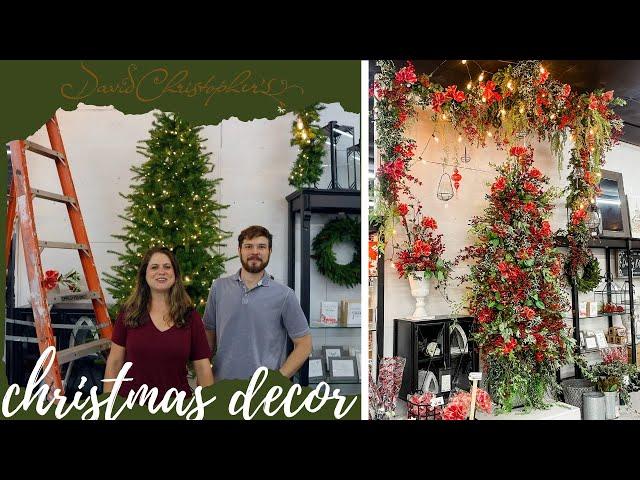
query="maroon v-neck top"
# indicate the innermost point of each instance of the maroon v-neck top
(160, 358)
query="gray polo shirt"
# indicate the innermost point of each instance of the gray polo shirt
(251, 326)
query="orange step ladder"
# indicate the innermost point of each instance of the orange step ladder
(20, 209)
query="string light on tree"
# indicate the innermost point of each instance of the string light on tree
(172, 152)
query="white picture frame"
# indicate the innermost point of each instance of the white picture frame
(342, 369)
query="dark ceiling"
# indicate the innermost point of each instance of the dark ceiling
(622, 76)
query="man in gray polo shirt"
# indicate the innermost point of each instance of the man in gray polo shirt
(249, 316)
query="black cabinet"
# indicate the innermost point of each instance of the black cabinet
(438, 351)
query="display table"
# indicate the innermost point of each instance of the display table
(557, 411)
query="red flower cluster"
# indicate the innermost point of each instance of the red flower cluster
(600, 102)
(498, 185)
(423, 248)
(403, 209)
(578, 216)
(407, 74)
(489, 93)
(430, 223)
(459, 404)
(51, 278)
(437, 99)
(453, 93)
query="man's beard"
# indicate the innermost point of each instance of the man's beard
(256, 268)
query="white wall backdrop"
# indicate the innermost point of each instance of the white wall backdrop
(453, 216)
(253, 159)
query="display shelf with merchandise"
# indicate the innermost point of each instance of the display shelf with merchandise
(609, 245)
(304, 206)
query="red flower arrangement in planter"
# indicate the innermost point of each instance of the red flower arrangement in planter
(423, 249)
(516, 293)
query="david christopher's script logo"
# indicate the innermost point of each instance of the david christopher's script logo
(92, 408)
(153, 84)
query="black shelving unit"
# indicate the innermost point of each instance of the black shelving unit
(608, 244)
(305, 203)
(408, 337)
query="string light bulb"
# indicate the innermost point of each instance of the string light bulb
(481, 77)
(510, 85)
(541, 69)
(459, 139)
(464, 62)
(521, 110)
(300, 124)
(469, 85)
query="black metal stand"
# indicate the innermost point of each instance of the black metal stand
(305, 203)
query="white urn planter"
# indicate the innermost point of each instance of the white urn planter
(419, 290)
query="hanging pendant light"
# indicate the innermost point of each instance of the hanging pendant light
(445, 187)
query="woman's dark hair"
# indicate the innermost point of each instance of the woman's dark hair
(137, 305)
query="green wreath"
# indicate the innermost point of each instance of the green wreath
(335, 231)
(590, 277)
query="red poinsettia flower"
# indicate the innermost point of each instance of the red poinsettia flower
(484, 315)
(509, 346)
(403, 209)
(539, 357)
(578, 216)
(518, 151)
(530, 187)
(528, 313)
(489, 92)
(593, 102)
(407, 74)
(453, 93)
(421, 248)
(545, 231)
(503, 267)
(566, 90)
(564, 121)
(535, 173)
(437, 99)
(499, 185)
(429, 222)
(607, 96)
(530, 207)
(51, 279)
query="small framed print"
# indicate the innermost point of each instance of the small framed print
(317, 372)
(590, 342)
(601, 340)
(329, 351)
(342, 369)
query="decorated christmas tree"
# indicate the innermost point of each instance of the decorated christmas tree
(171, 204)
(516, 292)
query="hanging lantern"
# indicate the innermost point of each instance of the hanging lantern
(456, 177)
(445, 187)
(593, 220)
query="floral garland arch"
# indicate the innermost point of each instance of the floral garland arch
(519, 99)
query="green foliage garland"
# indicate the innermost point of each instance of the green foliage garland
(309, 138)
(335, 231)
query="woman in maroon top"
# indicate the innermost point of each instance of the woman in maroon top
(159, 331)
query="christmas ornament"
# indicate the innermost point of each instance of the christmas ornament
(456, 177)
